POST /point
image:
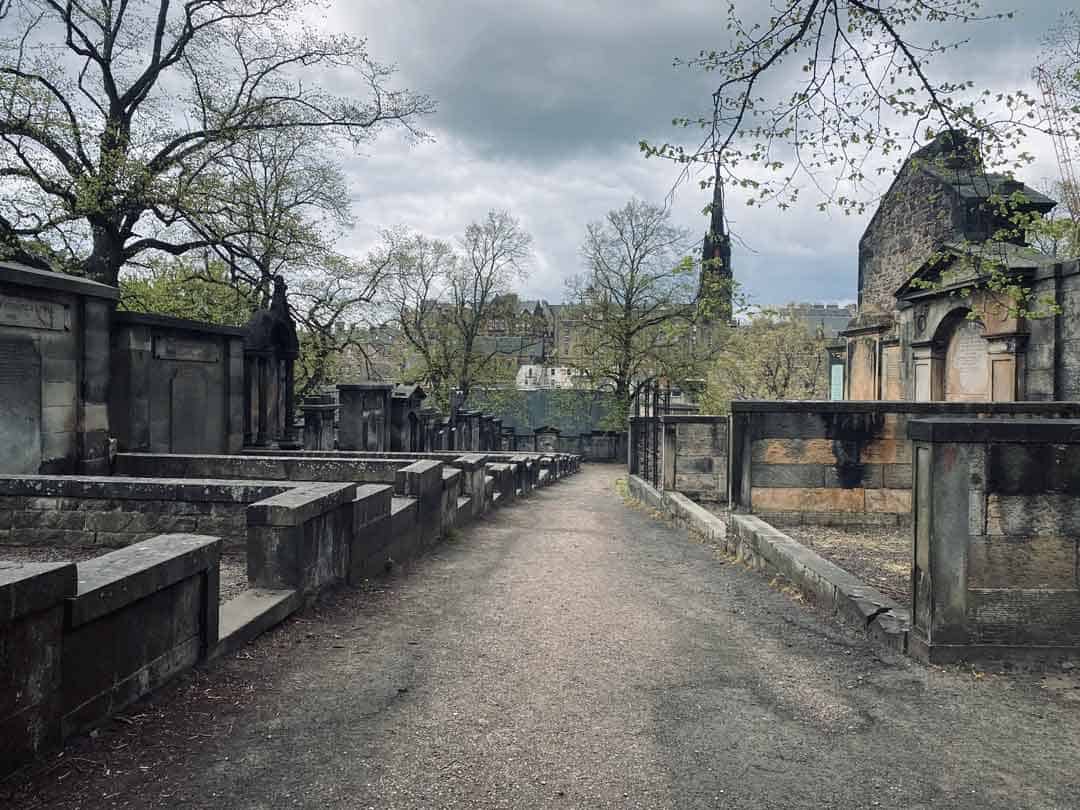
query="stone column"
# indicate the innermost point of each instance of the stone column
(34, 597)
(928, 379)
(262, 438)
(288, 433)
(1006, 366)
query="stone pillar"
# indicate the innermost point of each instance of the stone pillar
(1006, 366)
(33, 596)
(996, 515)
(319, 422)
(262, 438)
(288, 433)
(928, 365)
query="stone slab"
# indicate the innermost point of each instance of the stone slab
(27, 588)
(110, 582)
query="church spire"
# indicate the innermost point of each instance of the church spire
(715, 287)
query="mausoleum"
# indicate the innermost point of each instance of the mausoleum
(929, 327)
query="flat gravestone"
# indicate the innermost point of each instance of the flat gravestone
(20, 406)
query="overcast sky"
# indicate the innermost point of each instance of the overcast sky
(542, 104)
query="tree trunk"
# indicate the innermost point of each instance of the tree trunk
(107, 257)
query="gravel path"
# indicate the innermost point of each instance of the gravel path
(879, 556)
(574, 652)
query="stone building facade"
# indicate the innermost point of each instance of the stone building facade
(928, 326)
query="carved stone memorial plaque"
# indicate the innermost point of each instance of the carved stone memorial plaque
(20, 406)
(967, 369)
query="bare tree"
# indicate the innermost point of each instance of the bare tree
(635, 304)
(495, 252)
(416, 289)
(838, 91)
(113, 118)
(442, 299)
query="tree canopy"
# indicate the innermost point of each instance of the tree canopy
(116, 119)
(835, 92)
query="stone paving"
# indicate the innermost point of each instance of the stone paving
(575, 651)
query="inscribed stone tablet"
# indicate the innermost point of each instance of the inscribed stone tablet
(967, 370)
(20, 406)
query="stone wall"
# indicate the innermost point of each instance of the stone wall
(916, 214)
(113, 512)
(82, 642)
(695, 456)
(997, 521)
(839, 462)
(54, 372)
(165, 371)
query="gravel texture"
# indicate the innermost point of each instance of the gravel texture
(233, 566)
(879, 556)
(572, 651)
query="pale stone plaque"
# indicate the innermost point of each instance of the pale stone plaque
(191, 351)
(33, 313)
(892, 387)
(967, 364)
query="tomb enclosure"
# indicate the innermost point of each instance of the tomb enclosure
(159, 460)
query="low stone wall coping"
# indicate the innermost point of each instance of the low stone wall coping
(123, 318)
(296, 506)
(27, 588)
(21, 274)
(136, 489)
(1005, 431)
(108, 582)
(693, 419)
(470, 462)
(739, 407)
(368, 386)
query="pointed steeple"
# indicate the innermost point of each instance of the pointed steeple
(715, 287)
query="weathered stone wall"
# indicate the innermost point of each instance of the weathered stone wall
(695, 456)
(839, 462)
(114, 512)
(32, 599)
(167, 370)
(916, 215)
(54, 372)
(140, 616)
(81, 642)
(997, 522)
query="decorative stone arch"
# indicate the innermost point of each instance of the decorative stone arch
(963, 358)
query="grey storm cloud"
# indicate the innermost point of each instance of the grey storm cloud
(542, 104)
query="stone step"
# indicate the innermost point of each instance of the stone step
(250, 614)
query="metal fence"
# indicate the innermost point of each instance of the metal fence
(646, 432)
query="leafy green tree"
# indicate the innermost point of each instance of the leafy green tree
(773, 356)
(179, 288)
(116, 116)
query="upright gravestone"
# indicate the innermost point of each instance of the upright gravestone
(365, 416)
(318, 415)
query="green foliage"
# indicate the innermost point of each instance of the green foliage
(774, 356)
(183, 290)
